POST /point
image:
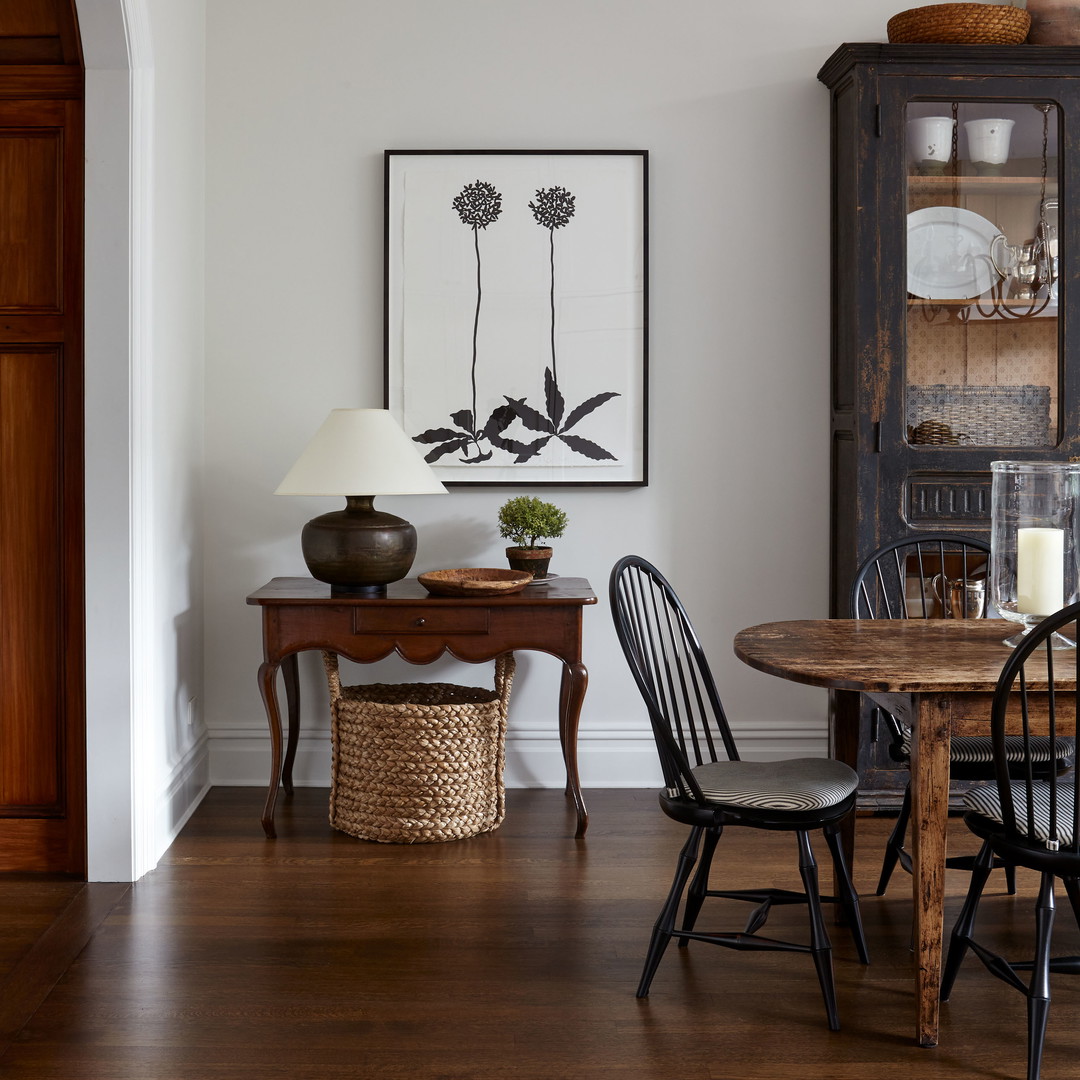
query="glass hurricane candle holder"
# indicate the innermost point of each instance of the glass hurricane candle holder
(1033, 544)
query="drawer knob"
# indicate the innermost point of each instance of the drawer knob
(421, 621)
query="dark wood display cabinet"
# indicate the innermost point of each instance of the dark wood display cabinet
(954, 292)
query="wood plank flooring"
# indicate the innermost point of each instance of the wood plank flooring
(510, 956)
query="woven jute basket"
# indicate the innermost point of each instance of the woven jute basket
(968, 24)
(417, 762)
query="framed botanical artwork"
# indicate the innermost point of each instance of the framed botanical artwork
(516, 313)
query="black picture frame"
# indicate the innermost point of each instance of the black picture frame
(516, 313)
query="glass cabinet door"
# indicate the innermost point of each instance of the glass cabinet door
(982, 356)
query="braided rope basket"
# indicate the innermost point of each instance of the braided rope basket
(417, 762)
(969, 24)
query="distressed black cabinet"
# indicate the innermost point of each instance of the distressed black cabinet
(954, 290)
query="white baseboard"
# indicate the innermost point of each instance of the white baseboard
(241, 758)
(188, 785)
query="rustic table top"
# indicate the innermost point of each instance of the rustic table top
(891, 656)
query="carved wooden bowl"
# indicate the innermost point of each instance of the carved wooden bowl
(470, 581)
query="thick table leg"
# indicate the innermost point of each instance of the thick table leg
(575, 680)
(845, 710)
(929, 825)
(268, 689)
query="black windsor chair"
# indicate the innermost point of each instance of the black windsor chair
(1027, 817)
(900, 581)
(708, 786)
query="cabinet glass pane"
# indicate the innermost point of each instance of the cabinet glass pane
(982, 357)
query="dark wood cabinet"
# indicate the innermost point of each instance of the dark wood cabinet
(42, 645)
(954, 291)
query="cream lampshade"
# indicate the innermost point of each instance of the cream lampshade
(359, 453)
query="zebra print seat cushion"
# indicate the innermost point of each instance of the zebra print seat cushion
(978, 750)
(797, 784)
(986, 800)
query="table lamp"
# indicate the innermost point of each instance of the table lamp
(359, 453)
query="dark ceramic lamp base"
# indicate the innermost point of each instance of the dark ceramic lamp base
(358, 551)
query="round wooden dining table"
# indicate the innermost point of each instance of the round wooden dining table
(938, 676)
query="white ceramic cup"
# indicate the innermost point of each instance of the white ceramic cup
(988, 142)
(930, 141)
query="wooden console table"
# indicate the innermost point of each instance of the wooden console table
(300, 613)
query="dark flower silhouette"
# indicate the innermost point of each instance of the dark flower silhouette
(552, 425)
(553, 208)
(478, 205)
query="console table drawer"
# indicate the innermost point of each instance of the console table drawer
(421, 620)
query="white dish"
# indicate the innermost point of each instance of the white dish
(541, 580)
(948, 253)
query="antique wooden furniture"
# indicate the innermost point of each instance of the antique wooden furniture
(299, 614)
(951, 305)
(924, 576)
(1026, 818)
(938, 676)
(710, 787)
(42, 693)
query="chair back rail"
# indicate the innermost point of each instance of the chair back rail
(1035, 800)
(671, 671)
(880, 588)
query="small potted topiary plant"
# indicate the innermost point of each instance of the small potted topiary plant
(526, 521)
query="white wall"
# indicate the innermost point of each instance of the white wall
(169, 448)
(302, 99)
(147, 766)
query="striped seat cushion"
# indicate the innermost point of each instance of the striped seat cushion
(978, 750)
(797, 784)
(985, 799)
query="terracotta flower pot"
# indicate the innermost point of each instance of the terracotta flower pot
(535, 560)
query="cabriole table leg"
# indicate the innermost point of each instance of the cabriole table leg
(575, 681)
(268, 689)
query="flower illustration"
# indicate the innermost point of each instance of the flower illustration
(478, 205)
(552, 209)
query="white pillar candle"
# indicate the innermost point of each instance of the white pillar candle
(1040, 570)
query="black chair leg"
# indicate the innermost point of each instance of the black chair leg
(848, 896)
(1010, 878)
(695, 895)
(1072, 888)
(965, 923)
(895, 844)
(820, 945)
(1039, 989)
(665, 922)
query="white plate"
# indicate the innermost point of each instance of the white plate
(948, 253)
(540, 581)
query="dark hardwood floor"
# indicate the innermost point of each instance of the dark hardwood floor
(510, 956)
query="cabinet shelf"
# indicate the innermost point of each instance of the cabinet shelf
(1020, 307)
(944, 186)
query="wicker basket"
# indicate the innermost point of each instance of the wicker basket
(967, 24)
(417, 762)
(979, 415)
